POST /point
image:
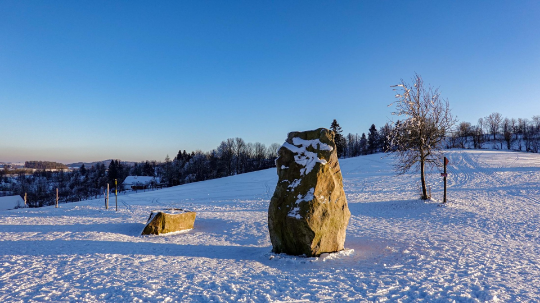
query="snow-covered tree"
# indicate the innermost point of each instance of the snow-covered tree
(384, 136)
(425, 119)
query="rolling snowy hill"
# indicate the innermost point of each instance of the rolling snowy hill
(482, 246)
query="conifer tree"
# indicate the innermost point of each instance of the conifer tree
(178, 156)
(148, 169)
(373, 139)
(338, 138)
(363, 144)
(113, 172)
(83, 170)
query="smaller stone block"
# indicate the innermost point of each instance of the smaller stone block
(168, 221)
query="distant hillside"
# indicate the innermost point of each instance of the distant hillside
(44, 165)
(12, 165)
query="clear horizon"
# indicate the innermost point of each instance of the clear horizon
(90, 81)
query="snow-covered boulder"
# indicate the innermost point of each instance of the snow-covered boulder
(168, 221)
(308, 214)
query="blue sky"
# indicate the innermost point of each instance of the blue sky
(137, 80)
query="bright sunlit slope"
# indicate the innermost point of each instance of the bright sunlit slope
(482, 246)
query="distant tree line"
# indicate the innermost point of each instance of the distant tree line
(44, 165)
(491, 132)
(496, 132)
(353, 145)
(233, 156)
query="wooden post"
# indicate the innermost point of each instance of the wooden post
(116, 192)
(24, 199)
(107, 199)
(57, 197)
(445, 163)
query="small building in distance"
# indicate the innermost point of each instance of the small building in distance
(11, 202)
(140, 182)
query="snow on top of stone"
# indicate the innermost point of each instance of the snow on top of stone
(315, 143)
(170, 211)
(304, 157)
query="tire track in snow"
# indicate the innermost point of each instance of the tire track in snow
(459, 170)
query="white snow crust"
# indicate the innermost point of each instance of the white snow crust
(483, 246)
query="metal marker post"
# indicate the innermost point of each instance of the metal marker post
(57, 197)
(116, 192)
(444, 175)
(107, 199)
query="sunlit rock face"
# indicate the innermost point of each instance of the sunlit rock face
(308, 214)
(168, 221)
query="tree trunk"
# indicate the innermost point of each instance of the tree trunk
(423, 177)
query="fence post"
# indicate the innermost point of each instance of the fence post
(116, 192)
(57, 197)
(24, 199)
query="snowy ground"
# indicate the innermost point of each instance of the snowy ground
(482, 246)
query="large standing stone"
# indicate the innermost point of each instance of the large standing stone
(308, 214)
(167, 221)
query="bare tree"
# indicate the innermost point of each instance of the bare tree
(351, 142)
(225, 152)
(250, 150)
(536, 123)
(478, 136)
(418, 136)
(515, 127)
(260, 153)
(240, 154)
(272, 151)
(494, 121)
(507, 133)
(464, 130)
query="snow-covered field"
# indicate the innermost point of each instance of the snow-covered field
(482, 246)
